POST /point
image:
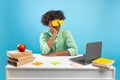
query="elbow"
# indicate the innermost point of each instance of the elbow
(45, 49)
(45, 52)
(73, 52)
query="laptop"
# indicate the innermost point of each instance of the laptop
(93, 51)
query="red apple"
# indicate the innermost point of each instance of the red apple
(21, 47)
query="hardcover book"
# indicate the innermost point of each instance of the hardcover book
(15, 63)
(103, 61)
(21, 58)
(16, 53)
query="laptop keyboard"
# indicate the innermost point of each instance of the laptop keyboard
(79, 59)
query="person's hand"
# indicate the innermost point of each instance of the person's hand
(44, 54)
(52, 29)
(52, 54)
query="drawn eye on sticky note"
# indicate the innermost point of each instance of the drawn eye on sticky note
(37, 63)
(61, 22)
(55, 63)
(55, 23)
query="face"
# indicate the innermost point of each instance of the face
(57, 28)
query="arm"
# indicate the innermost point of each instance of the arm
(54, 33)
(45, 42)
(59, 53)
(51, 40)
(72, 47)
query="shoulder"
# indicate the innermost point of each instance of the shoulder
(46, 33)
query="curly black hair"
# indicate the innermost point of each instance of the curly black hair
(51, 15)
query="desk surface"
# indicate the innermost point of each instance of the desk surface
(64, 63)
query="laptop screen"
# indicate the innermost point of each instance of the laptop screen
(93, 51)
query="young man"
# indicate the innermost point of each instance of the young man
(56, 42)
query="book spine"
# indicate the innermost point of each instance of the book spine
(12, 63)
(101, 67)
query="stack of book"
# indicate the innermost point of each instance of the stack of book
(17, 58)
(103, 63)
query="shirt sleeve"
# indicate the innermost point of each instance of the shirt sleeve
(71, 45)
(43, 43)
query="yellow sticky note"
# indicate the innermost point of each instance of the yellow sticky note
(37, 63)
(55, 23)
(61, 22)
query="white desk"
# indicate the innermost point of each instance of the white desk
(63, 71)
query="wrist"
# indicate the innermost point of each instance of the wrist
(54, 34)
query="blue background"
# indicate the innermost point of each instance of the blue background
(88, 20)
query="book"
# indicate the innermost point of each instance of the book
(16, 53)
(20, 63)
(20, 58)
(101, 67)
(103, 61)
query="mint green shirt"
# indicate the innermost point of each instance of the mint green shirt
(63, 41)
